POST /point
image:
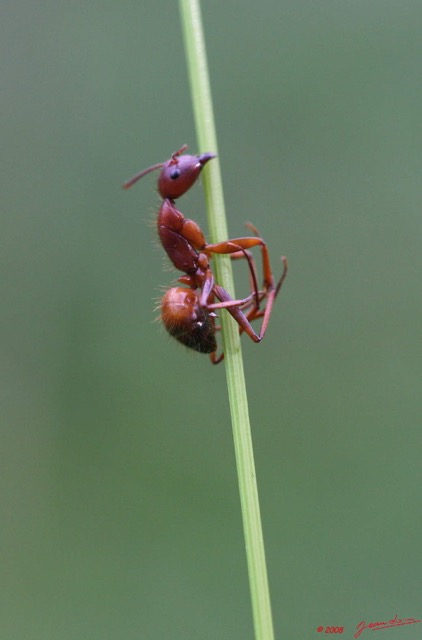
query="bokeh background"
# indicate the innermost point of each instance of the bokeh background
(119, 500)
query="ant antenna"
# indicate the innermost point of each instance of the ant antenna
(141, 174)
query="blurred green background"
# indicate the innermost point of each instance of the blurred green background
(119, 500)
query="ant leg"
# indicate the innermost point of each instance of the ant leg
(254, 230)
(213, 356)
(236, 313)
(207, 295)
(255, 313)
(244, 321)
(283, 275)
(253, 279)
(269, 285)
(237, 245)
(244, 254)
(252, 315)
(229, 302)
(232, 246)
(214, 359)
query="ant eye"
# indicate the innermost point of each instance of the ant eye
(175, 174)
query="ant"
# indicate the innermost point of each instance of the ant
(188, 314)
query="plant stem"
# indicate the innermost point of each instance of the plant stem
(204, 119)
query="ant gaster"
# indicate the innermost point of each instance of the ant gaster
(188, 314)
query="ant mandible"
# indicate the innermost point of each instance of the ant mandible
(188, 314)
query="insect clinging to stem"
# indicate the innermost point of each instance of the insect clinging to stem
(188, 312)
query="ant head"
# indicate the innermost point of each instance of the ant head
(180, 173)
(177, 175)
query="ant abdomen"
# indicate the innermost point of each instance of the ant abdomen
(187, 320)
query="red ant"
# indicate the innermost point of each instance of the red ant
(188, 314)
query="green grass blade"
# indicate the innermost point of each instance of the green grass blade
(205, 127)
